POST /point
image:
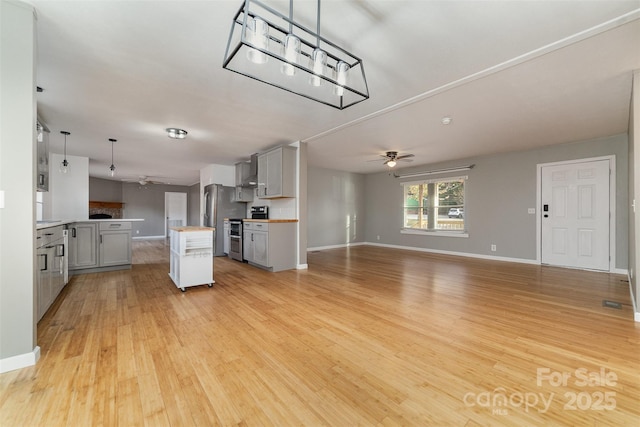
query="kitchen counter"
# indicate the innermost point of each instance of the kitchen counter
(53, 223)
(270, 220)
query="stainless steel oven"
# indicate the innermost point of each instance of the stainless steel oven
(235, 242)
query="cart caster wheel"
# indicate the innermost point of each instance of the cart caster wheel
(210, 285)
(182, 289)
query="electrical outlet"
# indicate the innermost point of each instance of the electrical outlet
(493, 248)
(137, 231)
(531, 210)
(378, 237)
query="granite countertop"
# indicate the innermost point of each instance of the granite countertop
(191, 228)
(54, 223)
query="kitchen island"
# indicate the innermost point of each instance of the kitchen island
(64, 247)
(95, 245)
(191, 259)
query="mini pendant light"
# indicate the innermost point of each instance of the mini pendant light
(318, 59)
(64, 165)
(290, 47)
(341, 77)
(258, 35)
(112, 168)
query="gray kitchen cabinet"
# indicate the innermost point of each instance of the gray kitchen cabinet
(50, 267)
(99, 244)
(227, 236)
(42, 153)
(83, 248)
(242, 194)
(270, 245)
(115, 243)
(276, 173)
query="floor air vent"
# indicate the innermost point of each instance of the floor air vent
(611, 304)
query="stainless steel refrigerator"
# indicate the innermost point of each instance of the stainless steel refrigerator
(217, 207)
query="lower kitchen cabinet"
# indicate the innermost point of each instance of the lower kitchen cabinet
(83, 248)
(50, 267)
(99, 244)
(115, 243)
(270, 245)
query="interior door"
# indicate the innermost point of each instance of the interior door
(575, 215)
(175, 210)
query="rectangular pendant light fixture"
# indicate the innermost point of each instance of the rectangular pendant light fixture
(268, 46)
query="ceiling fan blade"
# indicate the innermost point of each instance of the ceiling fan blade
(404, 160)
(404, 156)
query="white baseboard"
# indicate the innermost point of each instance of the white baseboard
(302, 267)
(464, 254)
(620, 271)
(20, 361)
(344, 245)
(148, 237)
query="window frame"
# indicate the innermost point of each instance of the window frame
(435, 232)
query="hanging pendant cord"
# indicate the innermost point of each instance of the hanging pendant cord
(65, 147)
(290, 16)
(318, 30)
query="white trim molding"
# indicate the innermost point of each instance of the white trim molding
(344, 245)
(20, 361)
(454, 253)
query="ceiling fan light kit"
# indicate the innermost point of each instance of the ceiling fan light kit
(270, 47)
(176, 133)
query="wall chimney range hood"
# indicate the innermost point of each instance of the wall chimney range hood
(250, 174)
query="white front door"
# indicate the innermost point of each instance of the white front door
(175, 210)
(575, 214)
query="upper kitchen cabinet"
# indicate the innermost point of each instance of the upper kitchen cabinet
(42, 171)
(277, 173)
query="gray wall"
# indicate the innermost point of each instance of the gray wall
(105, 190)
(193, 205)
(634, 190)
(147, 202)
(335, 202)
(499, 191)
(17, 180)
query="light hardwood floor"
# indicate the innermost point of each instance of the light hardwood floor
(366, 336)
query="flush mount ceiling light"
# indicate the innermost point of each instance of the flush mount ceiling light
(112, 168)
(176, 133)
(64, 165)
(268, 46)
(446, 120)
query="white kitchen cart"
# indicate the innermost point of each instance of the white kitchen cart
(191, 261)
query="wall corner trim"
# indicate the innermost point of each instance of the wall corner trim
(20, 361)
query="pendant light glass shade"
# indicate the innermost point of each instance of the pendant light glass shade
(64, 165)
(112, 168)
(290, 52)
(318, 63)
(341, 71)
(257, 35)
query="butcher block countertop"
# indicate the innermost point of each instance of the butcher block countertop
(269, 220)
(192, 228)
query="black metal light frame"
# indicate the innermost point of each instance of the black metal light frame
(355, 90)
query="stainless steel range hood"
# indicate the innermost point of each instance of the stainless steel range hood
(251, 177)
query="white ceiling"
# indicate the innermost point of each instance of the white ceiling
(513, 75)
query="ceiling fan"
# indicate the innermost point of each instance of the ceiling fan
(144, 180)
(391, 158)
